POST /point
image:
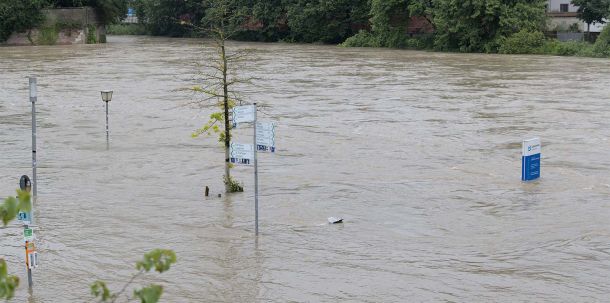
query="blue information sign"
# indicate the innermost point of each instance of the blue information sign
(24, 217)
(530, 160)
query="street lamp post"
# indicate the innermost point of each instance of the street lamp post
(106, 97)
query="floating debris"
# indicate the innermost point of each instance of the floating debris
(335, 220)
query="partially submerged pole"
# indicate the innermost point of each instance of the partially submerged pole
(33, 99)
(106, 97)
(255, 176)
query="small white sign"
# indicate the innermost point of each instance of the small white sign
(241, 153)
(531, 147)
(242, 114)
(265, 136)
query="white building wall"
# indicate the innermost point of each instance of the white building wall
(554, 6)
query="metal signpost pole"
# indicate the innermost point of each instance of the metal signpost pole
(255, 176)
(33, 99)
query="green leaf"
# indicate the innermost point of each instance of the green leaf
(9, 210)
(150, 294)
(25, 202)
(159, 259)
(99, 289)
(8, 284)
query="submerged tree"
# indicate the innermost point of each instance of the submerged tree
(222, 20)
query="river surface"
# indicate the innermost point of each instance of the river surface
(419, 152)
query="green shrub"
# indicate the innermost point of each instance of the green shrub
(362, 39)
(234, 185)
(19, 16)
(602, 44)
(48, 35)
(127, 29)
(91, 34)
(568, 48)
(523, 42)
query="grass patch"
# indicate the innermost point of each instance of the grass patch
(48, 35)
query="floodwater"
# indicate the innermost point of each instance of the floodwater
(419, 152)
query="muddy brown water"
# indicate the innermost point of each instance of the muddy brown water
(419, 152)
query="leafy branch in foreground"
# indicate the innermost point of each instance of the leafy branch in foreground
(8, 211)
(159, 260)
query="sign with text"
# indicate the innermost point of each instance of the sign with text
(530, 159)
(28, 234)
(265, 136)
(24, 217)
(241, 153)
(242, 114)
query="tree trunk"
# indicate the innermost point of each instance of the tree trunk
(226, 110)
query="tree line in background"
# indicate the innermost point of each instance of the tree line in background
(453, 25)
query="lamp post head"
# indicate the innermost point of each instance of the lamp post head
(106, 95)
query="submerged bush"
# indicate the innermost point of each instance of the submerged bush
(602, 44)
(392, 39)
(362, 39)
(523, 42)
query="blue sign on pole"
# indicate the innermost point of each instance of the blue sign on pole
(530, 160)
(24, 217)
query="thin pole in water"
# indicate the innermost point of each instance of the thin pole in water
(33, 99)
(255, 176)
(107, 131)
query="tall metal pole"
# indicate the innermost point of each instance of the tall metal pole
(255, 175)
(33, 99)
(107, 136)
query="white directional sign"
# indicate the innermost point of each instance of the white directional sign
(242, 114)
(241, 153)
(265, 136)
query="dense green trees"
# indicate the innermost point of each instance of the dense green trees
(19, 15)
(479, 25)
(110, 11)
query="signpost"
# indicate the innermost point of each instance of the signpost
(265, 136)
(31, 254)
(264, 140)
(530, 159)
(243, 114)
(241, 153)
(28, 234)
(25, 217)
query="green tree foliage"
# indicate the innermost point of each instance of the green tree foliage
(20, 15)
(328, 21)
(266, 22)
(8, 211)
(110, 11)
(172, 18)
(159, 260)
(523, 42)
(479, 25)
(8, 283)
(592, 11)
(602, 44)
